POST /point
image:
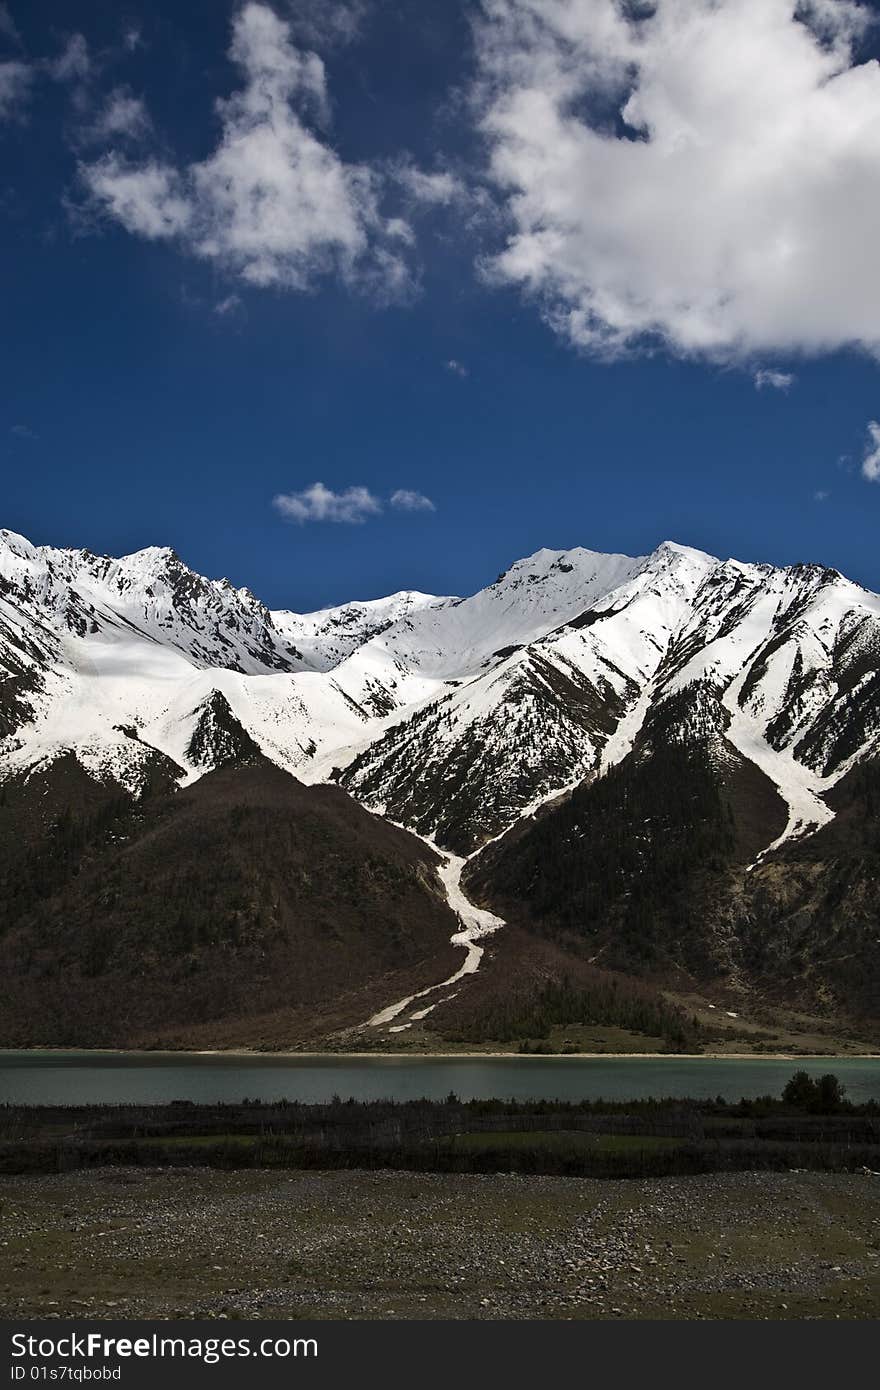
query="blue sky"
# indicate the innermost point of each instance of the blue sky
(474, 294)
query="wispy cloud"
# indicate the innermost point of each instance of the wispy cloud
(328, 22)
(437, 188)
(23, 432)
(8, 27)
(274, 205)
(15, 84)
(122, 115)
(15, 76)
(76, 69)
(320, 503)
(228, 305)
(871, 460)
(74, 62)
(404, 500)
(455, 367)
(821, 495)
(777, 381)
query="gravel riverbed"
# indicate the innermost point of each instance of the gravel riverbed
(174, 1242)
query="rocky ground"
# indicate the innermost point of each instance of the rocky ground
(200, 1243)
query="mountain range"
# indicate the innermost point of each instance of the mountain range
(659, 771)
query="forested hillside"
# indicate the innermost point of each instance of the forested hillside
(244, 897)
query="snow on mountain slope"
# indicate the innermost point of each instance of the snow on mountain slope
(791, 656)
(468, 763)
(465, 763)
(428, 652)
(115, 660)
(794, 656)
(454, 716)
(329, 636)
(151, 593)
(115, 698)
(535, 595)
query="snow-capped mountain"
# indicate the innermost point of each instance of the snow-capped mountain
(154, 594)
(327, 637)
(790, 657)
(453, 716)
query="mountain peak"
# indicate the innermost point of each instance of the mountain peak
(152, 553)
(689, 551)
(675, 554)
(19, 545)
(155, 561)
(218, 738)
(567, 647)
(547, 559)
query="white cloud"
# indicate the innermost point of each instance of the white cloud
(274, 204)
(23, 432)
(821, 495)
(148, 199)
(831, 19)
(404, 500)
(778, 381)
(15, 81)
(351, 507)
(705, 173)
(457, 368)
(871, 461)
(122, 115)
(440, 188)
(319, 503)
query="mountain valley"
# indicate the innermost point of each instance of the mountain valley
(221, 825)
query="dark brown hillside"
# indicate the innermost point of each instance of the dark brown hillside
(622, 868)
(812, 920)
(31, 805)
(651, 871)
(629, 866)
(245, 896)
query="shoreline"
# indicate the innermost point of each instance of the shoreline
(251, 1054)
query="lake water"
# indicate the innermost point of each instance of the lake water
(81, 1078)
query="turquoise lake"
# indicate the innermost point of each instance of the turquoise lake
(81, 1078)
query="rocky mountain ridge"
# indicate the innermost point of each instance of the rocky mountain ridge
(453, 716)
(661, 770)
